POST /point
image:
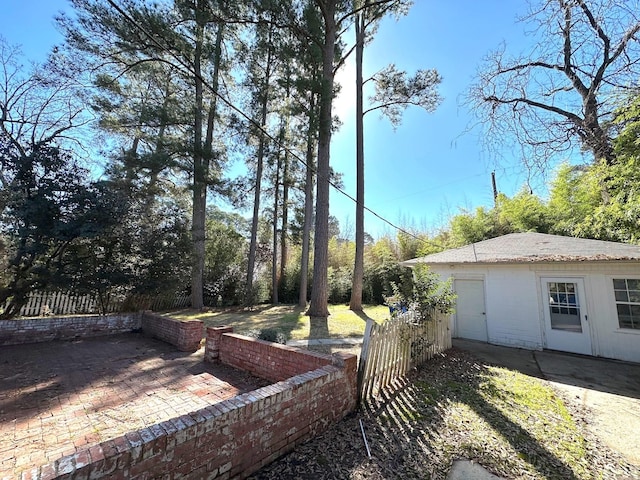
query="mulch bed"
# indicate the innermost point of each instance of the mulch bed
(411, 434)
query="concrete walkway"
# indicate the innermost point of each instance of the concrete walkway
(468, 470)
(609, 389)
(326, 341)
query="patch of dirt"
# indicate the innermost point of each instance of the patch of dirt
(416, 432)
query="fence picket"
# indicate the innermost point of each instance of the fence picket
(66, 303)
(374, 360)
(391, 349)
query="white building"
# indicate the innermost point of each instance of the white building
(535, 291)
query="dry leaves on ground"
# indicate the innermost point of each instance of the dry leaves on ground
(456, 407)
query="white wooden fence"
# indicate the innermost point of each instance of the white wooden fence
(391, 349)
(58, 303)
(65, 303)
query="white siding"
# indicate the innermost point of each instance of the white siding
(608, 339)
(513, 316)
(514, 310)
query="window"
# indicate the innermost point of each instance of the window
(627, 293)
(564, 306)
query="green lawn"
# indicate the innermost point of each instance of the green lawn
(290, 320)
(454, 407)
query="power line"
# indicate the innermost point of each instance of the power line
(187, 67)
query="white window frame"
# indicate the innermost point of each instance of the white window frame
(635, 319)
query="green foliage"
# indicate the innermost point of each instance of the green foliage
(409, 246)
(48, 209)
(290, 282)
(602, 201)
(575, 194)
(618, 216)
(627, 121)
(341, 252)
(382, 270)
(339, 282)
(146, 252)
(473, 227)
(524, 212)
(268, 334)
(395, 91)
(225, 260)
(423, 294)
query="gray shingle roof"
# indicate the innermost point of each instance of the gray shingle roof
(533, 247)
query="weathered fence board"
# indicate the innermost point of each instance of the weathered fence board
(391, 349)
(66, 303)
(57, 303)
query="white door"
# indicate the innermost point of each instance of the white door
(565, 315)
(471, 319)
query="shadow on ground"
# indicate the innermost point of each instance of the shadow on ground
(420, 426)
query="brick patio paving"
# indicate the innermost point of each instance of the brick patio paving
(58, 397)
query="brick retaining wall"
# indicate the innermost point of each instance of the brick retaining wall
(46, 329)
(233, 438)
(258, 357)
(184, 334)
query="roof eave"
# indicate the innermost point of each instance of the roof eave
(524, 260)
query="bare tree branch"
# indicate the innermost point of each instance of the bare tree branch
(562, 94)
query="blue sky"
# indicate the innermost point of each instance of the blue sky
(430, 167)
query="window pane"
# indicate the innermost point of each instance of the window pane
(553, 287)
(633, 284)
(634, 296)
(570, 287)
(568, 320)
(624, 321)
(572, 299)
(635, 311)
(622, 296)
(619, 284)
(623, 309)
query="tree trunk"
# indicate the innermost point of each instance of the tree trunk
(358, 268)
(319, 291)
(203, 152)
(308, 205)
(285, 194)
(199, 174)
(285, 219)
(276, 200)
(253, 243)
(251, 263)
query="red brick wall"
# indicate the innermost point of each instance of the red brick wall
(231, 439)
(186, 335)
(35, 330)
(268, 360)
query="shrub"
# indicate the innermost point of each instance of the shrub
(339, 284)
(268, 334)
(424, 293)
